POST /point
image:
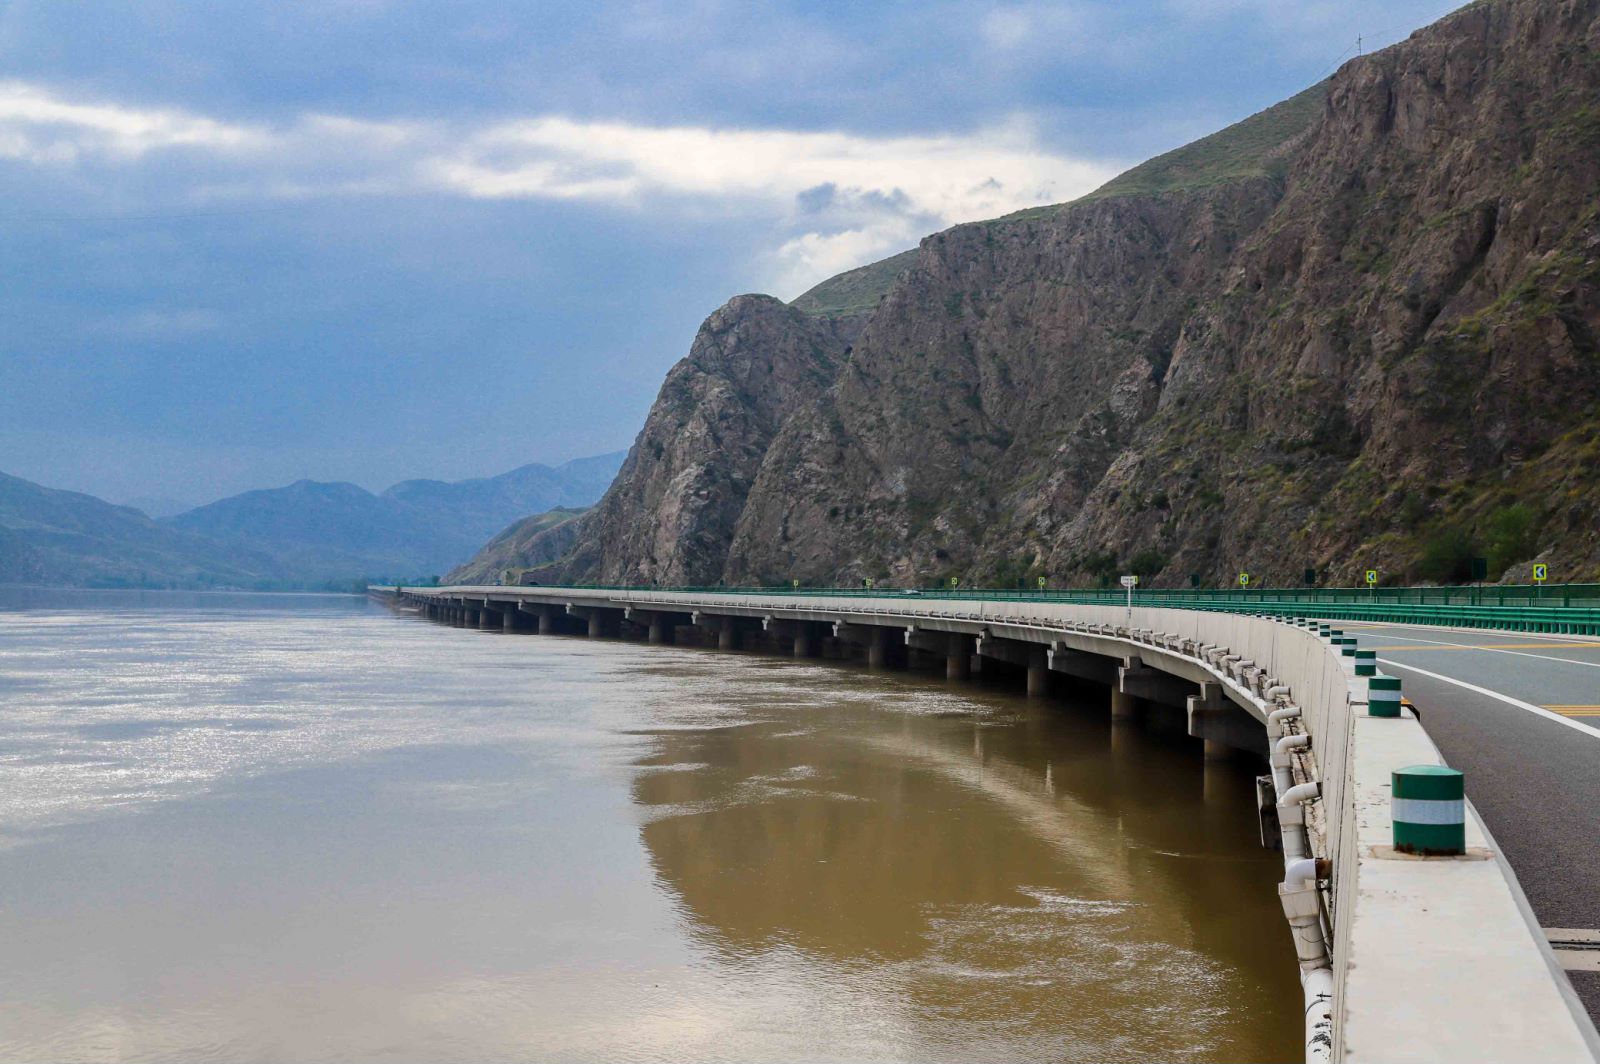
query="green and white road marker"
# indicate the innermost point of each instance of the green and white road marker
(1429, 808)
(1383, 696)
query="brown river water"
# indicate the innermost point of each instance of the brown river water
(300, 828)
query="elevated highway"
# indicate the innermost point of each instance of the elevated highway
(1402, 957)
(1519, 713)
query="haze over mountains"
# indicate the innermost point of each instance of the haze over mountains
(1360, 329)
(308, 534)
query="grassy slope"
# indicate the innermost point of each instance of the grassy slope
(854, 291)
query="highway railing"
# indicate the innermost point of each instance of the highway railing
(1572, 609)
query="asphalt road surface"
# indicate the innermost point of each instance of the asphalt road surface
(1520, 715)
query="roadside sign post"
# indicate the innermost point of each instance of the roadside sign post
(1130, 582)
(1244, 579)
(1041, 583)
(1541, 573)
(1372, 583)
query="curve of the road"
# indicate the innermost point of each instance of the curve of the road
(1520, 715)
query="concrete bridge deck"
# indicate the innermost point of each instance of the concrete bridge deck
(1423, 959)
(1519, 713)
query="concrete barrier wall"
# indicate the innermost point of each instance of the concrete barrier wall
(1436, 958)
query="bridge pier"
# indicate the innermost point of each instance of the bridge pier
(1224, 726)
(546, 621)
(508, 619)
(487, 621)
(1038, 672)
(878, 648)
(658, 626)
(593, 616)
(958, 657)
(727, 634)
(1124, 707)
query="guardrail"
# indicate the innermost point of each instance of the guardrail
(1572, 609)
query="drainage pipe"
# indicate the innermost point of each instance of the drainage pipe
(1277, 719)
(1302, 905)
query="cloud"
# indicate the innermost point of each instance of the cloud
(36, 126)
(833, 199)
(854, 198)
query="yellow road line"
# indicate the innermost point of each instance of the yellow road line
(1576, 711)
(1494, 646)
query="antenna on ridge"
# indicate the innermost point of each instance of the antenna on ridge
(1358, 45)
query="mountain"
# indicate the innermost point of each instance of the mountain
(321, 531)
(158, 506)
(64, 537)
(1360, 329)
(529, 543)
(306, 535)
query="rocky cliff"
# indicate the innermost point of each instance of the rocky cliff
(670, 514)
(1356, 330)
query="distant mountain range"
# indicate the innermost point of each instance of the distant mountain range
(306, 535)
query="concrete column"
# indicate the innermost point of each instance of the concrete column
(596, 626)
(547, 622)
(1038, 673)
(958, 658)
(508, 619)
(804, 646)
(486, 621)
(1123, 705)
(727, 635)
(471, 616)
(878, 649)
(658, 630)
(1224, 726)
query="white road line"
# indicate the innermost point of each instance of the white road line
(1507, 699)
(1495, 650)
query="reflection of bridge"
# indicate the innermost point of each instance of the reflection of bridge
(1401, 957)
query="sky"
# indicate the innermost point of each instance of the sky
(263, 240)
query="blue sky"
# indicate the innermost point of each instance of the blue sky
(362, 240)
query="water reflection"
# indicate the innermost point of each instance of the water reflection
(1095, 892)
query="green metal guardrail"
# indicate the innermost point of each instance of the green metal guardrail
(1559, 608)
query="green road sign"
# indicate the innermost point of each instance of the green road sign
(1041, 582)
(866, 583)
(1541, 573)
(1372, 577)
(954, 581)
(794, 583)
(1244, 579)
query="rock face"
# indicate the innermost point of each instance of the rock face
(1358, 330)
(670, 514)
